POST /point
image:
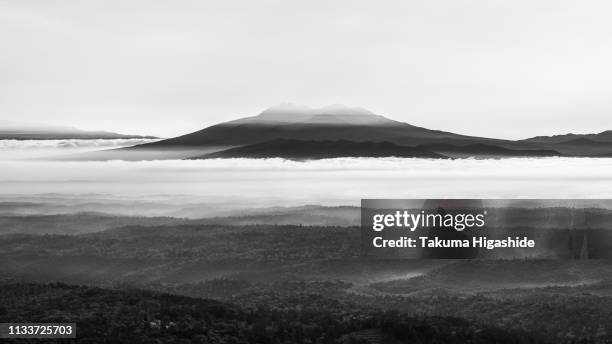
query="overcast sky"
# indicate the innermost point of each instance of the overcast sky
(508, 69)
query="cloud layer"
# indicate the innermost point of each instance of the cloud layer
(334, 181)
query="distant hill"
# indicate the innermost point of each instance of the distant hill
(90, 222)
(577, 144)
(485, 150)
(300, 150)
(604, 136)
(32, 131)
(79, 223)
(308, 215)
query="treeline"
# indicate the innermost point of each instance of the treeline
(572, 316)
(136, 316)
(212, 243)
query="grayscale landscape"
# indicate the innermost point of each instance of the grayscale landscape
(284, 234)
(193, 171)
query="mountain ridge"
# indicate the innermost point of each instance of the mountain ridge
(34, 131)
(604, 136)
(343, 123)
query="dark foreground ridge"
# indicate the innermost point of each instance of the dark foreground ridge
(137, 316)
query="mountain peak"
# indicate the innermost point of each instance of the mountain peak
(331, 114)
(285, 112)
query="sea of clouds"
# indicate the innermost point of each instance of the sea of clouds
(332, 181)
(279, 182)
(28, 149)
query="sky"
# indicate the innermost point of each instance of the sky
(506, 69)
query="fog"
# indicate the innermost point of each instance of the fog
(28, 149)
(249, 183)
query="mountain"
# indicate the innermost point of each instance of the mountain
(604, 136)
(32, 131)
(294, 122)
(329, 123)
(576, 144)
(304, 150)
(332, 115)
(336, 125)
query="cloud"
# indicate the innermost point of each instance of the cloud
(488, 68)
(30, 149)
(52, 144)
(333, 181)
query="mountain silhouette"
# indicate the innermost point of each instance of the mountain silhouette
(34, 131)
(604, 136)
(336, 122)
(300, 127)
(577, 144)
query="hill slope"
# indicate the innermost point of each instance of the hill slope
(33, 131)
(137, 316)
(604, 136)
(300, 149)
(485, 150)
